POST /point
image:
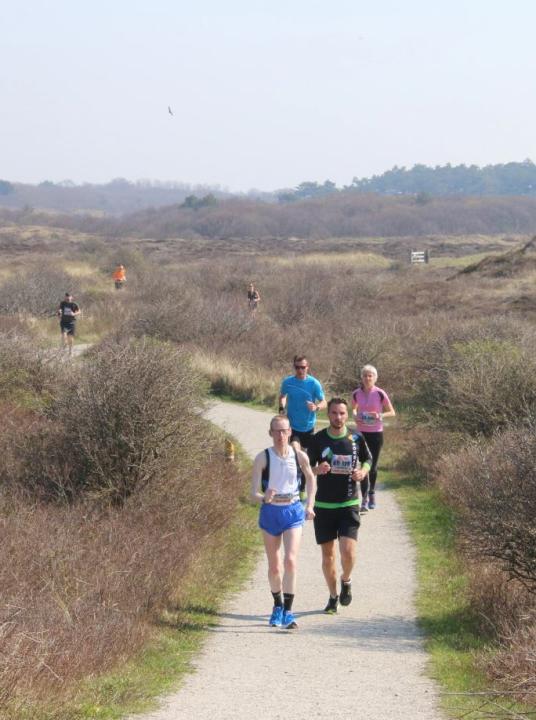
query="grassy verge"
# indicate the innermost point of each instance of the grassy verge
(223, 565)
(453, 640)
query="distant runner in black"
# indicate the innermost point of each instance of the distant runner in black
(68, 311)
(254, 297)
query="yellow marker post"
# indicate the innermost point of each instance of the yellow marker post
(229, 451)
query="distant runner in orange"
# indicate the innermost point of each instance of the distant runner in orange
(119, 276)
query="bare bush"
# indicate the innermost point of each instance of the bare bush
(122, 440)
(37, 292)
(118, 423)
(477, 377)
(180, 309)
(129, 416)
(491, 484)
(421, 448)
(28, 372)
(378, 341)
(79, 583)
(514, 666)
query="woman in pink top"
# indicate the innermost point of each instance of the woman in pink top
(370, 405)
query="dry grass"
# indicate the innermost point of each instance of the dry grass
(240, 381)
(334, 260)
(79, 584)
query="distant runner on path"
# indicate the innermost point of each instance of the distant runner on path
(276, 485)
(254, 297)
(340, 459)
(68, 311)
(370, 405)
(301, 396)
(119, 277)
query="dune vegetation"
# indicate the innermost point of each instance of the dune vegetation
(109, 452)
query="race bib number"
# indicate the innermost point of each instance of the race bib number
(368, 418)
(341, 464)
(68, 312)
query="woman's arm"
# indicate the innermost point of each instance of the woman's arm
(390, 412)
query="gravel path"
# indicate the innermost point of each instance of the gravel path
(366, 662)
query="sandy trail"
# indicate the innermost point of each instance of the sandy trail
(366, 662)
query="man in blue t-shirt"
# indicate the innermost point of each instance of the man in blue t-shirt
(301, 396)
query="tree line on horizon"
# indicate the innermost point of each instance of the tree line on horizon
(121, 196)
(514, 178)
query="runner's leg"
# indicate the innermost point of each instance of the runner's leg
(272, 545)
(374, 441)
(348, 550)
(291, 544)
(329, 566)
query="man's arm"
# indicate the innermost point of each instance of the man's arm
(257, 495)
(282, 398)
(320, 400)
(365, 460)
(310, 483)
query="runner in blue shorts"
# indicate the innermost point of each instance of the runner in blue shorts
(276, 485)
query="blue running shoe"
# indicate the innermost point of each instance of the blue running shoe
(289, 621)
(372, 501)
(276, 618)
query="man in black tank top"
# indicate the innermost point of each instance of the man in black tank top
(276, 486)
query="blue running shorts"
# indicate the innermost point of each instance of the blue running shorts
(275, 519)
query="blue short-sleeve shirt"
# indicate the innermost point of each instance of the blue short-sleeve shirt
(298, 393)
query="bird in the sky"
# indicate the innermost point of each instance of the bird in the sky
(170, 111)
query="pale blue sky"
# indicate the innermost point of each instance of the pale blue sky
(264, 94)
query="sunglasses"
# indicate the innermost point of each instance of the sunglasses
(300, 367)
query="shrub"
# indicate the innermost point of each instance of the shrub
(491, 484)
(28, 373)
(37, 292)
(478, 384)
(379, 342)
(125, 418)
(80, 583)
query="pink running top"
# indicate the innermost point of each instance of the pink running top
(373, 401)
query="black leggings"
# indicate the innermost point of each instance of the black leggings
(374, 441)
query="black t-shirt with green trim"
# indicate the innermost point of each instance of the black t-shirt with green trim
(343, 453)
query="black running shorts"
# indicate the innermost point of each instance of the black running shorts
(304, 437)
(336, 522)
(67, 328)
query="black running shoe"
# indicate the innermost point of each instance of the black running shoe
(332, 606)
(345, 597)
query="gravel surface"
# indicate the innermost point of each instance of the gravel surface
(366, 662)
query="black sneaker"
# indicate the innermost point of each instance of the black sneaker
(332, 606)
(345, 597)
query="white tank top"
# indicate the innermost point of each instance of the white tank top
(283, 473)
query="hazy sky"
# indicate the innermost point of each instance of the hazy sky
(264, 94)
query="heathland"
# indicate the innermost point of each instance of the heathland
(106, 464)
